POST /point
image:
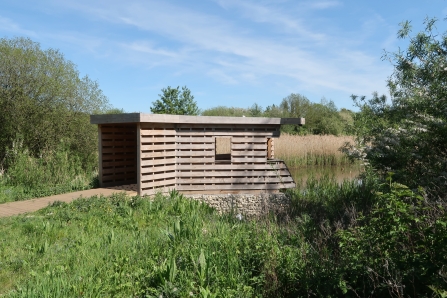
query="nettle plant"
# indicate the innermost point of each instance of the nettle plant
(408, 134)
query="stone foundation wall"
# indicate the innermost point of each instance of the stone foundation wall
(248, 205)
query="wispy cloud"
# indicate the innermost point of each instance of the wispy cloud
(242, 55)
(10, 26)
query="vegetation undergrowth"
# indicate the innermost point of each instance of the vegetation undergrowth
(53, 173)
(338, 239)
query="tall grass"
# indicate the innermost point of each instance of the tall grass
(52, 173)
(311, 150)
(338, 240)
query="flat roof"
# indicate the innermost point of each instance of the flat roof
(183, 119)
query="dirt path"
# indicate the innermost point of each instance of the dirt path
(20, 207)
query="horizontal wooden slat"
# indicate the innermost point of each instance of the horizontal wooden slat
(118, 129)
(158, 147)
(158, 169)
(157, 132)
(209, 180)
(248, 140)
(119, 176)
(226, 173)
(119, 143)
(150, 139)
(230, 134)
(157, 154)
(195, 153)
(183, 139)
(158, 183)
(119, 150)
(148, 177)
(248, 153)
(119, 170)
(195, 146)
(194, 160)
(225, 126)
(153, 162)
(119, 163)
(248, 159)
(248, 146)
(230, 167)
(157, 125)
(235, 186)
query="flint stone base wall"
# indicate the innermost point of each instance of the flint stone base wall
(249, 205)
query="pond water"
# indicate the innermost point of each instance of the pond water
(340, 173)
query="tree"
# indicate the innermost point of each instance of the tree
(174, 101)
(407, 135)
(43, 101)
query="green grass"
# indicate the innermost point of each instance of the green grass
(175, 247)
(30, 177)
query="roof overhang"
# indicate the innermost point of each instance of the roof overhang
(177, 119)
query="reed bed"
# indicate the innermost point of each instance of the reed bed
(312, 150)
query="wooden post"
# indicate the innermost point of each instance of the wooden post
(99, 155)
(139, 187)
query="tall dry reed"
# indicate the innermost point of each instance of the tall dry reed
(311, 150)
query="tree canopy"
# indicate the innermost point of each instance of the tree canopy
(175, 101)
(407, 135)
(44, 101)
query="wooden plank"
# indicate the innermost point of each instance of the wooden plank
(249, 140)
(119, 150)
(139, 192)
(158, 169)
(119, 170)
(188, 139)
(128, 129)
(118, 176)
(157, 154)
(126, 143)
(209, 146)
(158, 147)
(248, 159)
(194, 160)
(152, 184)
(153, 162)
(148, 139)
(228, 191)
(227, 173)
(157, 125)
(100, 155)
(229, 134)
(157, 132)
(235, 186)
(248, 153)
(149, 176)
(235, 146)
(106, 164)
(183, 154)
(238, 180)
(119, 183)
(230, 167)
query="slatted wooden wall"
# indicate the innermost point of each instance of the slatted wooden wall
(247, 171)
(118, 158)
(157, 158)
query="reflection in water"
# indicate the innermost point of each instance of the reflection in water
(301, 174)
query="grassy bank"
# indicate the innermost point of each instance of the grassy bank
(53, 173)
(311, 150)
(339, 239)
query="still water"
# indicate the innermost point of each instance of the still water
(300, 175)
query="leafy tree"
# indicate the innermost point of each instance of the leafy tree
(44, 101)
(407, 135)
(174, 101)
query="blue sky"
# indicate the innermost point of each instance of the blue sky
(227, 52)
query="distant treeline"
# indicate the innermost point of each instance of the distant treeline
(321, 118)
